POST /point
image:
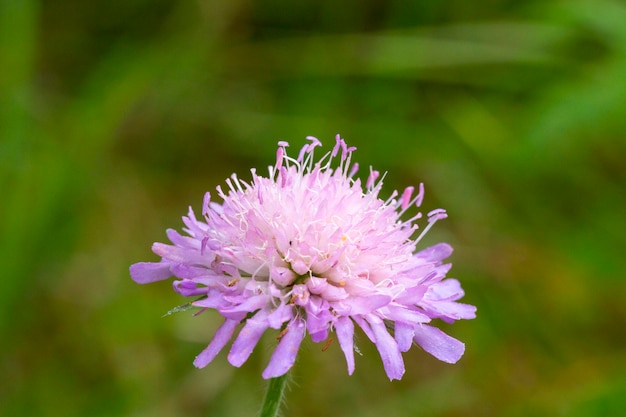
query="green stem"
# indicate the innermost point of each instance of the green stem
(274, 396)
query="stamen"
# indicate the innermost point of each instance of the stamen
(308, 162)
(393, 195)
(416, 217)
(205, 204)
(314, 141)
(372, 178)
(406, 197)
(220, 192)
(303, 151)
(344, 150)
(280, 153)
(437, 214)
(283, 176)
(420, 195)
(260, 195)
(417, 200)
(353, 170)
(336, 147)
(203, 244)
(236, 182)
(433, 216)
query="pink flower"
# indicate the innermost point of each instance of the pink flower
(308, 249)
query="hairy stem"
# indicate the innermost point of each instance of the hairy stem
(274, 396)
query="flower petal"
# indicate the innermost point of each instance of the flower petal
(437, 343)
(447, 289)
(435, 253)
(188, 288)
(285, 354)
(317, 321)
(281, 314)
(451, 310)
(404, 314)
(365, 326)
(221, 337)
(213, 299)
(364, 305)
(247, 339)
(182, 241)
(319, 336)
(388, 349)
(403, 333)
(344, 328)
(177, 254)
(186, 271)
(147, 272)
(241, 304)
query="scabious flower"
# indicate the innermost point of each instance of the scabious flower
(308, 249)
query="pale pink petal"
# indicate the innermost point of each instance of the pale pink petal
(282, 314)
(448, 289)
(221, 337)
(189, 271)
(437, 343)
(453, 310)
(365, 326)
(285, 354)
(182, 241)
(247, 339)
(388, 349)
(436, 252)
(403, 333)
(365, 305)
(344, 328)
(405, 314)
(188, 288)
(147, 272)
(178, 254)
(320, 335)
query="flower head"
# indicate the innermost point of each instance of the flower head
(309, 249)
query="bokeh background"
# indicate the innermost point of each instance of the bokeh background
(115, 116)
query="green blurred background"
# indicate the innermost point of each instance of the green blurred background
(115, 116)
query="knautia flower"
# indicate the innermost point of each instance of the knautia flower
(308, 249)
